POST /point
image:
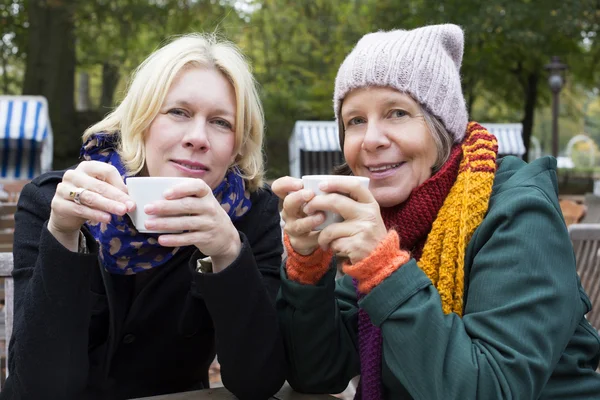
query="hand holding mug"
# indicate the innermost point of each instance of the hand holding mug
(189, 215)
(92, 191)
(362, 227)
(299, 227)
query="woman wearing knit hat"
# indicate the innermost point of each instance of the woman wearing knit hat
(460, 276)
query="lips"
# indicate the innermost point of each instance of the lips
(191, 165)
(383, 167)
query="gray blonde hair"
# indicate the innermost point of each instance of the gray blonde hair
(150, 84)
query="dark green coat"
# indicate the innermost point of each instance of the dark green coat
(523, 334)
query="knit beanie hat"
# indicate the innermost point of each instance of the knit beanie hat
(423, 63)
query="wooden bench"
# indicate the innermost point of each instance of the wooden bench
(6, 267)
(7, 225)
(12, 189)
(592, 205)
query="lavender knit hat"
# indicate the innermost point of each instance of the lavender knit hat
(423, 62)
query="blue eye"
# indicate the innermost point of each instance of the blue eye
(398, 113)
(223, 123)
(356, 121)
(177, 112)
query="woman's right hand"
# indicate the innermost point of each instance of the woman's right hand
(105, 194)
(298, 226)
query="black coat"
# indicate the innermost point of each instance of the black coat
(80, 332)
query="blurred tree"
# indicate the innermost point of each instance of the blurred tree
(50, 67)
(12, 33)
(118, 34)
(296, 48)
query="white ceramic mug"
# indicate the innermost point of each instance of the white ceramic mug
(312, 182)
(145, 190)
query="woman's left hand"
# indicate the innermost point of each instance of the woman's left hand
(191, 207)
(362, 229)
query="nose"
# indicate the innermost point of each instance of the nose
(196, 136)
(375, 137)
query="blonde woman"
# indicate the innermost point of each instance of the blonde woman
(94, 320)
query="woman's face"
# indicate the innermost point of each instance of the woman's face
(193, 134)
(386, 139)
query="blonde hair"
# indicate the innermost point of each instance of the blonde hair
(149, 86)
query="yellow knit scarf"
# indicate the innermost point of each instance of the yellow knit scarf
(462, 212)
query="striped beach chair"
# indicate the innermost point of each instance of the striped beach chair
(25, 137)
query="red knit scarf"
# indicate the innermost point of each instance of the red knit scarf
(412, 219)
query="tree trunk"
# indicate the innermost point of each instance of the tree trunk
(470, 96)
(529, 109)
(50, 71)
(110, 79)
(83, 91)
(4, 70)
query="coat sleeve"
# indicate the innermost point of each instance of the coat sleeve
(521, 308)
(319, 324)
(241, 300)
(48, 348)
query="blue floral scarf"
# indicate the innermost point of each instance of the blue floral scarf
(124, 250)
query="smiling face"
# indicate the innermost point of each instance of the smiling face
(387, 140)
(193, 134)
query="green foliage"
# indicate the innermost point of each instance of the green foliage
(297, 46)
(122, 33)
(12, 33)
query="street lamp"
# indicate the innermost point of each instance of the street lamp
(556, 82)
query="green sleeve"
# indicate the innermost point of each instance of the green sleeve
(319, 328)
(521, 308)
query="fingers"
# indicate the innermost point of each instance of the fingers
(180, 223)
(293, 203)
(283, 186)
(334, 232)
(91, 199)
(298, 226)
(182, 239)
(305, 244)
(188, 198)
(63, 206)
(100, 193)
(349, 187)
(334, 202)
(190, 188)
(103, 172)
(355, 238)
(207, 206)
(304, 226)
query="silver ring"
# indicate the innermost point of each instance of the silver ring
(76, 194)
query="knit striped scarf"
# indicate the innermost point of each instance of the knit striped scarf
(436, 224)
